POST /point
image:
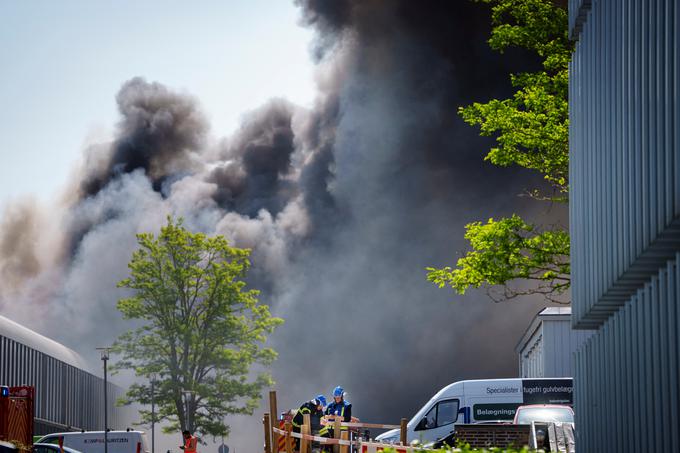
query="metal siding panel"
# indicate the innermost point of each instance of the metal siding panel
(615, 145)
(627, 372)
(648, 383)
(596, 394)
(548, 349)
(639, 119)
(563, 348)
(639, 359)
(14, 360)
(3, 358)
(616, 393)
(655, 356)
(673, 316)
(650, 144)
(668, 122)
(664, 372)
(630, 47)
(659, 150)
(676, 102)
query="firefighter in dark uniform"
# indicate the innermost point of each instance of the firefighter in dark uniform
(338, 408)
(315, 409)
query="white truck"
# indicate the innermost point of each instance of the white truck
(93, 441)
(480, 401)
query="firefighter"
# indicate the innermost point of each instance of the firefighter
(338, 408)
(190, 442)
(312, 407)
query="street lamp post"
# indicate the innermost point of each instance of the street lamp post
(153, 412)
(105, 357)
(189, 394)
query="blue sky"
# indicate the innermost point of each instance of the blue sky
(62, 62)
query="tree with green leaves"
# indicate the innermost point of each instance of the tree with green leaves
(200, 330)
(531, 130)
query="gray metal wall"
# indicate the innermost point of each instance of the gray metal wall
(625, 195)
(559, 343)
(531, 356)
(627, 393)
(625, 222)
(550, 350)
(65, 395)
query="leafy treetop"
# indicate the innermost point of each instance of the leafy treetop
(199, 330)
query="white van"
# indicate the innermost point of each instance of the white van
(480, 401)
(93, 441)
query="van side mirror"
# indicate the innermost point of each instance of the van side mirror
(421, 424)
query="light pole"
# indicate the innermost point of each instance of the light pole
(152, 377)
(105, 357)
(187, 401)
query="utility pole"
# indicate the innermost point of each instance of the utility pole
(105, 357)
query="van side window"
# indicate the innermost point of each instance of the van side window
(447, 412)
(443, 413)
(431, 418)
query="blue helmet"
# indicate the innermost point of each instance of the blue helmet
(321, 400)
(338, 391)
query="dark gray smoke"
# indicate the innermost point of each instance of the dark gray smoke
(257, 163)
(407, 175)
(158, 132)
(344, 206)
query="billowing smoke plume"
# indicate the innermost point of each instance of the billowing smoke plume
(158, 133)
(344, 205)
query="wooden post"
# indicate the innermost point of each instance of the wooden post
(267, 434)
(336, 432)
(274, 420)
(289, 438)
(402, 435)
(306, 445)
(344, 436)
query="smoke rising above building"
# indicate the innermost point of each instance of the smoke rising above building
(343, 204)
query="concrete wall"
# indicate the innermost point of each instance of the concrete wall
(625, 222)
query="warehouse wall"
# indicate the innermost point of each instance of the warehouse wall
(625, 222)
(531, 356)
(627, 392)
(559, 343)
(66, 396)
(625, 193)
(547, 349)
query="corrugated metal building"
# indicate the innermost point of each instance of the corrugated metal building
(69, 395)
(547, 347)
(625, 222)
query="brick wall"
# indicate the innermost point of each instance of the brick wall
(479, 436)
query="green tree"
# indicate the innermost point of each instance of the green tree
(200, 330)
(531, 130)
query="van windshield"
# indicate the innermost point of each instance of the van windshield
(544, 414)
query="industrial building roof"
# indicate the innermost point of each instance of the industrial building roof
(28, 337)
